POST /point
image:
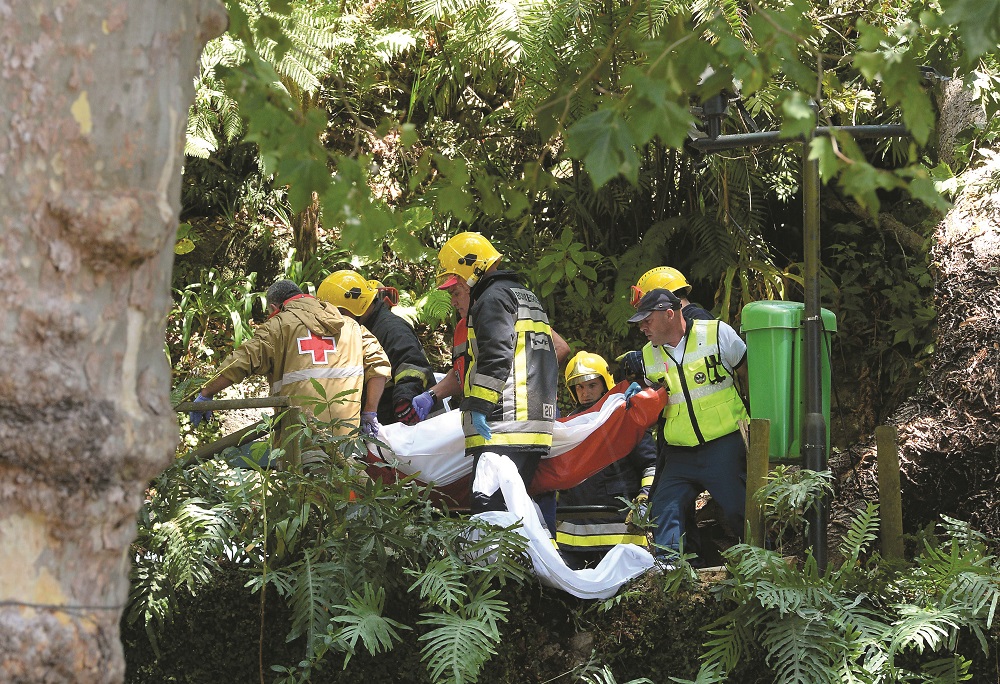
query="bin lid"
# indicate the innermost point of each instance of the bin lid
(765, 315)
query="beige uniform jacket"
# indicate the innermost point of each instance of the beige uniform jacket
(310, 340)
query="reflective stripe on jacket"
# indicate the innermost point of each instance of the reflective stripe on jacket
(626, 478)
(310, 340)
(513, 373)
(702, 402)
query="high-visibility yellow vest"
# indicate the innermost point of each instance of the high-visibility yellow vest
(703, 403)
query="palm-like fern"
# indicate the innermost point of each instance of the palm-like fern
(181, 541)
(297, 45)
(362, 620)
(851, 624)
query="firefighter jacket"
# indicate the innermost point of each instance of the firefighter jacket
(411, 374)
(513, 373)
(702, 401)
(625, 478)
(310, 340)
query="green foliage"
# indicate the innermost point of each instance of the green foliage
(362, 619)
(211, 312)
(861, 620)
(434, 307)
(567, 265)
(181, 539)
(558, 130)
(886, 300)
(789, 494)
(331, 543)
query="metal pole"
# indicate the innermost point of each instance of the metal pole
(814, 425)
(762, 138)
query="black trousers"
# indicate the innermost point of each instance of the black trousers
(525, 460)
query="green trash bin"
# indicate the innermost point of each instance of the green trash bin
(776, 367)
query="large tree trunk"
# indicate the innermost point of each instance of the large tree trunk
(94, 100)
(950, 430)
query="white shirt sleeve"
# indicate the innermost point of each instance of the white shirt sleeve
(731, 347)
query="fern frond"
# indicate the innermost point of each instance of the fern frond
(363, 620)
(457, 647)
(434, 307)
(315, 589)
(925, 629)
(962, 532)
(656, 14)
(392, 46)
(709, 673)
(713, 243)
(978, 592)
(799, 649)
(483, 606)
(862, 532)
(495, 552)
(442, 583)
(948, 670)
(730, 641)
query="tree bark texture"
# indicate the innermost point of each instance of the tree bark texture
(950, 444)
(94, 100)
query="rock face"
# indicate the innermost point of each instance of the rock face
(95, 104)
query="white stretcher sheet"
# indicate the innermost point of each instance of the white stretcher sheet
(622, 563)
(436, 447)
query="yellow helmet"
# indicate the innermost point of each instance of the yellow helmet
(347, 290)
(466, 256)
(661, 277)
(586, 366)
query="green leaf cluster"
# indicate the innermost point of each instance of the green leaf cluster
(332, 543)
(863, 619)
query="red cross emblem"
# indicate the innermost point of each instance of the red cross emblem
(319, 347)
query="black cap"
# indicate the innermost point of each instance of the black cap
(655, 300)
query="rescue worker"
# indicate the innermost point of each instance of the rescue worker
(584, 541)
(411, 373)
(305, 340)
(700, 445)
(451, 384)
(510, 384)
(668, 278)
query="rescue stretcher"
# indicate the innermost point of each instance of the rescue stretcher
(583, 444)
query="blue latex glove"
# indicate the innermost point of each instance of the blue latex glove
(479, 422)
(422, 404)
(369, 424)
(197, 416)
(632, 390)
